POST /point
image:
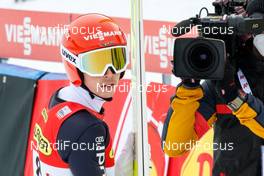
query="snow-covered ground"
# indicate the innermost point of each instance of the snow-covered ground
(161, 10)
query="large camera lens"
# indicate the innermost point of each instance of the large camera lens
(201, 58)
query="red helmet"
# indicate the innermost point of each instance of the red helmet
(88, 39)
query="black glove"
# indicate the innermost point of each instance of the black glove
(190, 83)
(227, 88)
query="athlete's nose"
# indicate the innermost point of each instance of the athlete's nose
(109, 72)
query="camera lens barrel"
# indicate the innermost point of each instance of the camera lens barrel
(201, 57)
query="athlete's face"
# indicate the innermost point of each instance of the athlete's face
(102, 86)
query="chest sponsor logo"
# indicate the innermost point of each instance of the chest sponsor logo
(63, 112)
(43, 145)
(45, 115)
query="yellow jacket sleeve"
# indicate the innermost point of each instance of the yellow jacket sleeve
(178, 132)
(252, 117)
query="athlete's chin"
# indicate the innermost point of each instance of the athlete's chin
(107, 94)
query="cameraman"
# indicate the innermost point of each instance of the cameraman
(233, 107)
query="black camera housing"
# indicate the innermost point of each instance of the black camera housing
(204, 57)
(199, 58)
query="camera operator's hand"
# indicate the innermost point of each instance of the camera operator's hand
(190, 83)
(221, 2)
(240, 10)
(227, 88)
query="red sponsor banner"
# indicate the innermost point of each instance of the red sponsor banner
(31, 35)
(36, 35)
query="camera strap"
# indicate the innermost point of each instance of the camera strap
(243, 82)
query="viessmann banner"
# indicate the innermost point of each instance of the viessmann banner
(37, 35)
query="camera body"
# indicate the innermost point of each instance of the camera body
(200, 58)
(204, 57)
